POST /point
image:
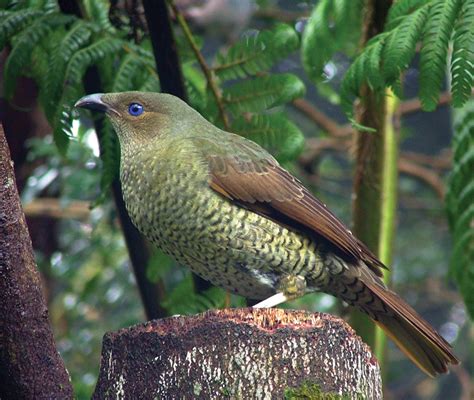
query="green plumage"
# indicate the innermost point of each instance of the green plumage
(166, 190)
(221, 205)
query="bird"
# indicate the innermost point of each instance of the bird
(223, 206)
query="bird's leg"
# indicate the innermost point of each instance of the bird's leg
(290, 287)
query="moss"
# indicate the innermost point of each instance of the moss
(312, 391)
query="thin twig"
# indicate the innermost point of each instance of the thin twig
(409, 163)
(202, 62)
(413, 105)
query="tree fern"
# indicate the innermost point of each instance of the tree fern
(275, 132)
(437, 33)
(462, 59)
(460, 203)
(257, 53)
(410, 22)
(261, 93)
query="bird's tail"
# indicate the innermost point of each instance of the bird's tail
(415, 337)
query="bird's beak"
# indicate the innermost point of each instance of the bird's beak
(93, 102)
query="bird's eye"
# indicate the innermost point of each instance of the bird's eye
(135, 109)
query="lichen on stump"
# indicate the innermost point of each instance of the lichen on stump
(238, 354)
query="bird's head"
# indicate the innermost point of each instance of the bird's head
(139, 117)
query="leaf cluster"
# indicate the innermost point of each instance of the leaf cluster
(57, 49)
(460, 203)
(251, 94)
(427, 26)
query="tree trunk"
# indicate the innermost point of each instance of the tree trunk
(30, 366)
(238, 354)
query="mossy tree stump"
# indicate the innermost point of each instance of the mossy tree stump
(238, 354)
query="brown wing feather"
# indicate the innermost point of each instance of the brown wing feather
(262, 186)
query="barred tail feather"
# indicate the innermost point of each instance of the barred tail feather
(415, 337)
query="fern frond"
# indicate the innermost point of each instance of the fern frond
(400, 9)
(23, 46)
(255, 95)
(89, 55)
(257, 53)
(183, 300)
(76, 37)
(109, 154)
(436, 36)
(462, 59)
(15, 22)
(275, 132)
(73, 84)
(400, 45)
(128, 68)
(460, 203)
(151, 84)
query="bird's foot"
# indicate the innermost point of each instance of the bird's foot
(291, 287)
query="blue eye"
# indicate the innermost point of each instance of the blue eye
(135, 109)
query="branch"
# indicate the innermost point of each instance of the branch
(31, 367)
(164, 48)
(53, 208)
(319, 118)
(422, 173)
(208, 73)
(413, 105)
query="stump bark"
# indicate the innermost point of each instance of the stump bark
(238, 354)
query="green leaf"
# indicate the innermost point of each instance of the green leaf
(275, 132)
(254, 54)
(259, 94)
(437, 33)
(462, 59)
(460, 203)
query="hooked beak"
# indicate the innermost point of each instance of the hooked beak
(94, 102)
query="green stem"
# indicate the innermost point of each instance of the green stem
(388, 206)
(208, 72)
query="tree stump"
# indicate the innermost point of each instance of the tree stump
(238, 354)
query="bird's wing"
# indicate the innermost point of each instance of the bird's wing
(245, 173)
